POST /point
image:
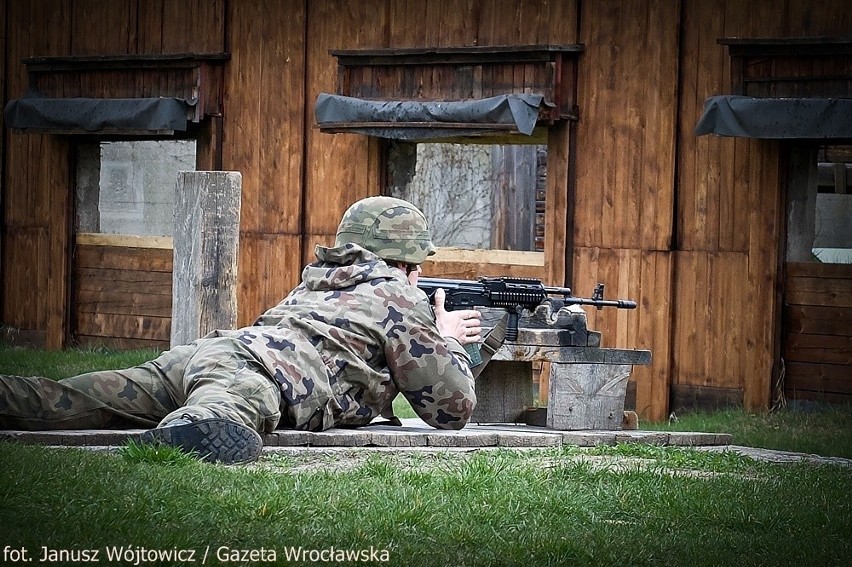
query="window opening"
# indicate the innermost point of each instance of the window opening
(129, 187)
(833, 219)
(475, 196)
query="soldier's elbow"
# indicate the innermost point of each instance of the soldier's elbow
(458, 416)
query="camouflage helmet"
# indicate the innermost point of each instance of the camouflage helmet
(391, 228)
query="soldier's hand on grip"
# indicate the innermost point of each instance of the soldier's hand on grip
(464, 325)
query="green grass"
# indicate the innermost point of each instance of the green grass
(826, 431)
(624, 505)
(56, 364)
(621, 505)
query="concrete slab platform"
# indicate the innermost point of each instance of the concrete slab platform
(413, 433)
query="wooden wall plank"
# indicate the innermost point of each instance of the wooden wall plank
(817, 320)
(123, 326)
(36, 193)
(141, 302)
(24, 258)
(263, 133)
(709, 314)
(103, 27)
(834, 292)
(128, 286)
(825, 349)
(818, 270)
(181, 26)
(125, 281)
(644, 276)
(557, 239)
(816, 377)
(274, 262)
(628, 97)
(114, 343)
(115, 257)
(340, 168)
(763, 326)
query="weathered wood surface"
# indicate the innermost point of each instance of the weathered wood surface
(504, 390)
(122, 294)
(572, 355)
(587, 396)
(206, 250)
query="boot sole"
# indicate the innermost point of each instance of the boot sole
(213, 440)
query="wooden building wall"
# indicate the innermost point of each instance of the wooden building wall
(687, 226)
(729, 211)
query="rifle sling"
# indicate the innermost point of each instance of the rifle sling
(492, 343)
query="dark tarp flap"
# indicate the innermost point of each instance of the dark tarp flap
(419, 120)
(775, 118)
(97, 114)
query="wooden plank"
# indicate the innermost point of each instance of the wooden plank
(503, 392)
(646, 277)
(35, 191)
(265, 41)
(123, 240)
(702, 74)
(558, 239)
(329, 188)
(818, 348)
(126, 281)
(658, 127)
(704, 398)
(763, 272)
(815, 377)
(124, 302)
(828, 292)
(274, 266)
(823, 397)
(58, 188)
(123, 326)
(207, 233)
(818, 270)
(103, 27)
(691, 318)
(196, 25)
(121, 258)
(815, 320)
(24, 278)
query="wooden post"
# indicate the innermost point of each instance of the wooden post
(587, 396)
(206, 247)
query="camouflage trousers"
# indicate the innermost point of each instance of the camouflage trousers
(212, 377)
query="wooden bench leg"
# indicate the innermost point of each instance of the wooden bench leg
(587, 396)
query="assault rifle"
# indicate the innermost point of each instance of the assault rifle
(512, 294)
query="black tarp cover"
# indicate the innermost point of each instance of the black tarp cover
(97, 114)
(408, 119)
(776, 118)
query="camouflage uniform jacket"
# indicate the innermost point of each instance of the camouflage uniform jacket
(353, 335)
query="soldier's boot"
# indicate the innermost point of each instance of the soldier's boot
(215, 440)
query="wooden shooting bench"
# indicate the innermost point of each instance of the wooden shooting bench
(588, 383)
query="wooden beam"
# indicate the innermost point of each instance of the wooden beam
(207, 232)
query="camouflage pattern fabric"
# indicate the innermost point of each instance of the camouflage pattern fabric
(335, 352)
(208, 378)
(350, 337)
(391, 228)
